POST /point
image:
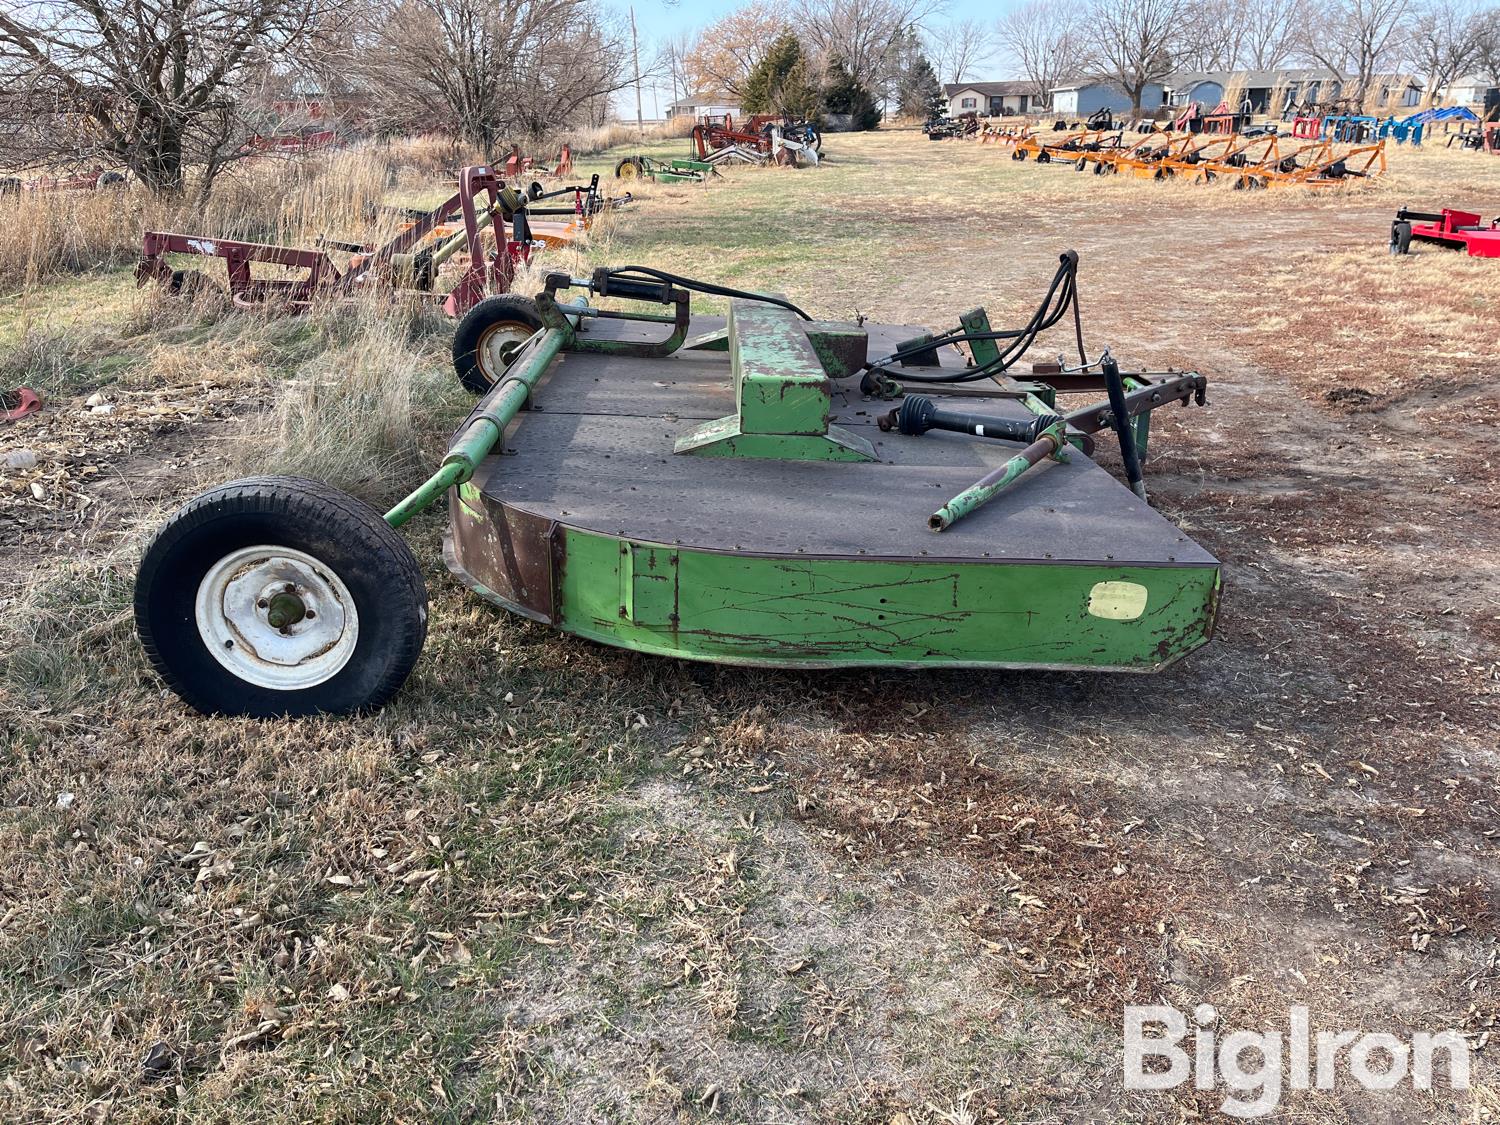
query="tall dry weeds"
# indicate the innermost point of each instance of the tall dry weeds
(267, 199)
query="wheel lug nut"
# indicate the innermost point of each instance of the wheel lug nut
(310, 615)
(263, 604)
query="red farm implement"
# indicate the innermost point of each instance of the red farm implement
(1224, 120)
(291, 144)
(1485, 138)
(411, 262)
(1457, 230)
(519, 165)
(716, 132)
(96, 179)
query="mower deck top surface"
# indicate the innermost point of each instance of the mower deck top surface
(595, 452)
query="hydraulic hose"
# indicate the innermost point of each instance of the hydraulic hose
(1061, 295)
(707, 287)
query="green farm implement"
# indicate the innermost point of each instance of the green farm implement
(664, 171)
(759, 489)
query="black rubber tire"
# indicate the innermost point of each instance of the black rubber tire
(346, 535)
(1401, 238)
(490, 313)
(1080, 165)
(1044, 157)
(637, 169)
(195, 285)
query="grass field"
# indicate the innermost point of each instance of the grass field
(556, 882)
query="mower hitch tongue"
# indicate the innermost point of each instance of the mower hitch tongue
(762, 489)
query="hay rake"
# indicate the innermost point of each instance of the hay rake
(1061, 147)
(1252, 161)
(410, 263)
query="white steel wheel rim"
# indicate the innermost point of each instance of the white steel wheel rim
(277, 618)
(499, 344)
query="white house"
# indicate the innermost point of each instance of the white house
(700, 105)
(992, 99)
(1468, 90)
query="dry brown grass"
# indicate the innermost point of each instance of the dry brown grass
(265, 199)
(555, 882)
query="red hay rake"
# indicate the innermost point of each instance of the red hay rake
(485, 223)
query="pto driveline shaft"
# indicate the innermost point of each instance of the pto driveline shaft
(982, 491)
(917, 414)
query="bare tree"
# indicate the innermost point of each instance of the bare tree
(1272, 31)
(483, 72)
(1212, 36)
(955, 49)
(726, 51)
(1446, 39)
(150, 84)
(1044, 39)
(1239, 34)
(671, 64)
(1487, 52)
(859, 32)
(1355, 39)
(1132, 42)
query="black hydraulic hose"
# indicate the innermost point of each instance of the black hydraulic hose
(1062, 294)
(707, 287)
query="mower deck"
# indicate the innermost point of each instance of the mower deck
(591, 516)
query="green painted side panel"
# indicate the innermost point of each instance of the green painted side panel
(830, 612)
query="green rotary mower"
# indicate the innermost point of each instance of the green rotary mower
(759, 489)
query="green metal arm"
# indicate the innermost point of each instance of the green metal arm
(1049, 443)
(487, 424)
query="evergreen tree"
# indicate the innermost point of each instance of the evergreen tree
(779, 83)
(919, 94)
(843, 95)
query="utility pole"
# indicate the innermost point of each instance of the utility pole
(635, 48)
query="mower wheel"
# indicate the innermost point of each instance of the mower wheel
(631, 168)
(280, 596)
(1080, 165)
(1018, 154)
(1401, 238)
(1044, 157)
(487, 337)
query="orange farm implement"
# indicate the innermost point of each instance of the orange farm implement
(1251, 160)
(1063, 146)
